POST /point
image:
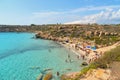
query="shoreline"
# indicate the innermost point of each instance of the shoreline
(96, 73)
(77, 47)
(79, 53)
(100, 51)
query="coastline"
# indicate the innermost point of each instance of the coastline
(89, 57)
(79, 48)
(95, 74)
(100, 51)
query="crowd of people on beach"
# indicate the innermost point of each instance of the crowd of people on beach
(84, 50)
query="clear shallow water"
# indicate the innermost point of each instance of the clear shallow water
(25, 58)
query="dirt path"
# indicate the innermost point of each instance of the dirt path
(108, 48)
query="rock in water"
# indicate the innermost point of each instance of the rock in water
(48, 76)
(84, 64)
(47, 70)
(39, 77)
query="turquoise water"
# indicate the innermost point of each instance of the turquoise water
(24, 58)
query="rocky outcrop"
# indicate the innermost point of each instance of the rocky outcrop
(40, 77)
(48, 76)
(88, 33)
(69, 76)
(93, 74)
(97, 74)
(100, 33)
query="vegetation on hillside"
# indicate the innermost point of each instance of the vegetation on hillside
(100, 34)
(104, 40)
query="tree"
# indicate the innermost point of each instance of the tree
(33, 25)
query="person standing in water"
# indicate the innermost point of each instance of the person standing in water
(68, 55)
(68, 58)
(78, 57)
(58, 73)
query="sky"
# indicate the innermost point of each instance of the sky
(25, 12)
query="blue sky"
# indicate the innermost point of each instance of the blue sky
(59, 11)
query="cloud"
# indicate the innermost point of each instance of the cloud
(88, 8)
(53, 17)
(94, 8)
(105, 14)
(108, 16)
(45, 14)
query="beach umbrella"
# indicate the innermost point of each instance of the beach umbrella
(93, 48)
(88, 46)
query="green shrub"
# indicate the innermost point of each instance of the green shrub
(109, 57)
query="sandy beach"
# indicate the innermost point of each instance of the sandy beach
(93, 55)
(95, 73)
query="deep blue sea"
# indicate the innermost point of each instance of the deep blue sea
(24, 58)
